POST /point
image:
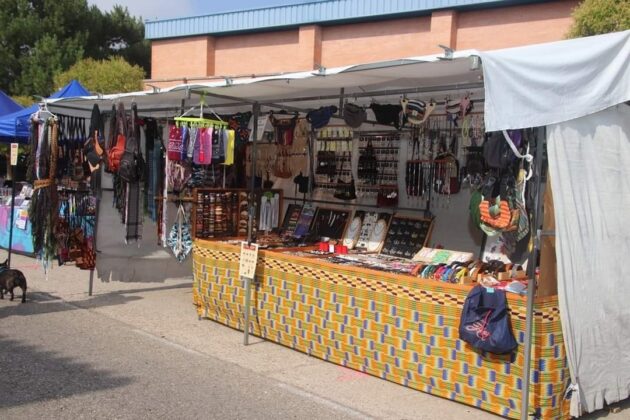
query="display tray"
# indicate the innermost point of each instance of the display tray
(406, 236)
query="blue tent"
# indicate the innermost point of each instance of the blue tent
(8, 105)
(15, 127)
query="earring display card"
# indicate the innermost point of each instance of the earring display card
(367, 239)
(291, 219)
(329, 223)
(406, 237)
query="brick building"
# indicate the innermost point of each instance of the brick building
(341, 32)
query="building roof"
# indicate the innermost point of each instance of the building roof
(317, 12)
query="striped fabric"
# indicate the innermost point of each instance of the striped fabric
(394, 327)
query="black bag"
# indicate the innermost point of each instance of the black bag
(302, 183)
(132, 164)
(367, 170)
(320, 117)
(326, 162)
(345, 190)
(496, 150)
(485, 322)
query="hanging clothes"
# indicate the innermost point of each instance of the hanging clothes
(229, 147)
(133, 213)
(43, 210)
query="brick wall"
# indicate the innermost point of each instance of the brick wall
(311, 46)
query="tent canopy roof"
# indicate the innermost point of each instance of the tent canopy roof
(522, 87)
(8, 105)
(15, 126)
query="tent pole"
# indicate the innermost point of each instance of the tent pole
(537, 219)
(250, 221)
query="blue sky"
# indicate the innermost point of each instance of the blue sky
(164, 9)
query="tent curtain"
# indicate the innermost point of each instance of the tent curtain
(544, 84)
(589, 166)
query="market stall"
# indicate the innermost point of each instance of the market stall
(363, 213)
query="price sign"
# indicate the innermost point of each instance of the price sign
(249, 258)
(14, 154)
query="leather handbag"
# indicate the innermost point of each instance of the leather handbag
(117, 150)
(345, 190)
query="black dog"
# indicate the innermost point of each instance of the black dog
(10, 279)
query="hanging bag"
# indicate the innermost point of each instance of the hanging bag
(175, 143)
(132, 163)
(179, 238)
(345, 190)
(367, 169)
(485, 322)
(118, 149)
(326, 162)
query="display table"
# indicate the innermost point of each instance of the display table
(396, 327)
(22, 240)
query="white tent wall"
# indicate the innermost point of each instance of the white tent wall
(563, 85)
(589, 165)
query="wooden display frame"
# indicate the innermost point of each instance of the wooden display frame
(318, 211)
(429, 231)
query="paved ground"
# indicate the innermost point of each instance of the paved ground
(137, 350)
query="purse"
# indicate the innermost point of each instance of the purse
(326, 162)
(485, 322)
(367, 169)
(345, 190)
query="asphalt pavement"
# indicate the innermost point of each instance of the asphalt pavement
(137, 350)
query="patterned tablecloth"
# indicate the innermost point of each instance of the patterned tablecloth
(396, 327)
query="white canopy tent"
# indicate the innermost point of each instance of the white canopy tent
(539, 85)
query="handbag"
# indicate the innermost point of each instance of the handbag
(485, 322)
(345, 190)
(117, 150)
(320, 117)
(132, 164)
(367, 169)
(326, 162)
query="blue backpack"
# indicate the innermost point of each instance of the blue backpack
(485, 322)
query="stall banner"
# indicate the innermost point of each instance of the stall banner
(394, 327)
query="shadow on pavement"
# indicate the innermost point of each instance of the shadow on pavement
(30, 375)
(42, 302)
(38, 303)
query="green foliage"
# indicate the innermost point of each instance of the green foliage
(25, 101)
(594, 17)
(103, 76)
(41, 38)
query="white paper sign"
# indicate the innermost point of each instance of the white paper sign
(249, 258)
(14, 154)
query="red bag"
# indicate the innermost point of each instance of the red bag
(117, 150)
(175, 143)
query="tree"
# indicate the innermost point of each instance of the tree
(594, 17)
(40, 38)
(103, 76)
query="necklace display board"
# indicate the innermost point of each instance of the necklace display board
(291, 218)
(352, 234)
(406, 236)
(371, 239)
(304, 222)
(329, 223)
